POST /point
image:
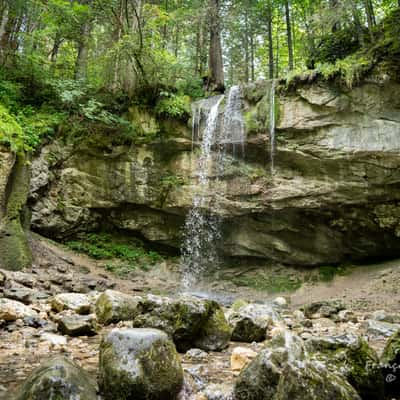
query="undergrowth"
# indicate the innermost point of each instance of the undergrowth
(125, 255)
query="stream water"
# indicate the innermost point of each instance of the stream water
(219, 133)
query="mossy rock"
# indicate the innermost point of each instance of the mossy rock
(139, 364)
(354, 359)
(390, 361)
(282, 371)
(58, 379)
(15, 253)
(216, 333)
(188, 321)
(113, 306)
(250, 322)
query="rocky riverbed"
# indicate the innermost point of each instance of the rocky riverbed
(65, 306)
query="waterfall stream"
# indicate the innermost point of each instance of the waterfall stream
(202, 230)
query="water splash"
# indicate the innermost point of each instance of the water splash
(272, 126)
(201, 228)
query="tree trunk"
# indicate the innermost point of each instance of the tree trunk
(252, 51)
(215, 65)
(83, 48)
(246, 47)
(55, 49)
(289, 35)
(270, 43)
(334, 4)
(369, 11)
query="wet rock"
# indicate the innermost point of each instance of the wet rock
(113, 306)
(139, 364)
(190, 322)
(77, 302)
(23, 278)
(58, 378)
(390, 365)
(241, 356)
(219, 391)
(250, 322)
(380, 328)
(11, 310)
(196, 354)
(351, 356)
(77, 325)
(323, 309)
(282, 372)
(215, 333)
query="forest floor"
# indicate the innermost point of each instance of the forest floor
(363, 289)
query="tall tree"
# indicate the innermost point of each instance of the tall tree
(215, 65)
(289, 35)
(83, 46)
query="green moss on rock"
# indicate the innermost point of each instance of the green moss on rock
(15, 252)
(139, 364)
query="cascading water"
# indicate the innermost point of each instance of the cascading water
(201, 232)
(272, 126)
(202, 227)
(233, 128)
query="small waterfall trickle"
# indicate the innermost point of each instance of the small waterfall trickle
(272, 126)
(202, 227)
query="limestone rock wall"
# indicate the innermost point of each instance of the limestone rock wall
(334, 194)
(14, 188)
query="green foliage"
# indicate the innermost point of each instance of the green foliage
(271, 284)
(11, 133)
(129, 255)
(173, 105)
(327, 273)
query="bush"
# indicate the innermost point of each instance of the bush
(173, 105)
(11, 133)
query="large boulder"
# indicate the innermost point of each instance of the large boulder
(190, 322)
(11, 310)
(352, 357)
(390, 364)
(283, 372)
(77, 302)
(250, 322)
(58, 379)
(113, 306)
(139, 364)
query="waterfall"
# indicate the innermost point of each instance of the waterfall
(272, 126)
(233, 128)
(202, 227)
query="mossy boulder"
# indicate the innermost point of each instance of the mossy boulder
(188, 321)
(113, 306)
(139, 364)
(250, 322)
(58, 379)
(282, 371)
(15, 252)
(352, 357)
(216, 333)
(390, 362)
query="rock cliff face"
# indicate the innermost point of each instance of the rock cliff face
(14, 189)
(334, 194)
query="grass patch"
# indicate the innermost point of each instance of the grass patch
(125, 255)
(270, 284)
